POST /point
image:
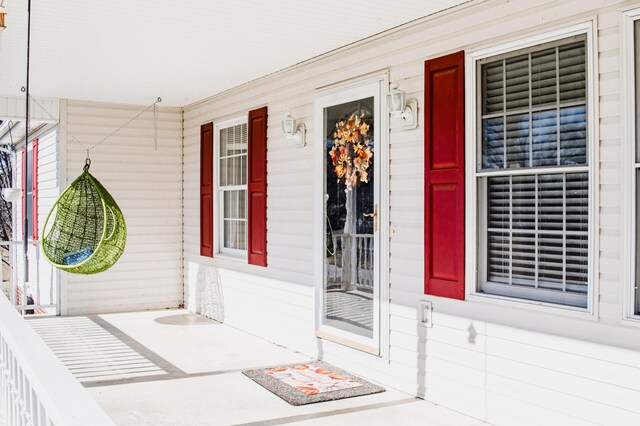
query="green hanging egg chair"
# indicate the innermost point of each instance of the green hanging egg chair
(88, 232)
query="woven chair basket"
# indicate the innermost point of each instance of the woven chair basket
(88, 233)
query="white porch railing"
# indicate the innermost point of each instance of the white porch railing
(19, 292)
(35, 388)
(351, 266)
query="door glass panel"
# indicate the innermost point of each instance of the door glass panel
(349, 188)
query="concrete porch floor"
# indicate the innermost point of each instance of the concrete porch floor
(174, 368)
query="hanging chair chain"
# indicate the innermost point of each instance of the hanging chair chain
(88, 162)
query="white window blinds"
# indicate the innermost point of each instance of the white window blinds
(233, 187)
(534, 109)
(534, 117)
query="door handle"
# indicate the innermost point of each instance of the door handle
(374, 215)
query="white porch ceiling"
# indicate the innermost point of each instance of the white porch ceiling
(133, 51)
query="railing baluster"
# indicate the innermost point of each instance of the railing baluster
(31, 378)
(367, 263)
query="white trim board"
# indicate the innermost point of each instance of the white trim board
(628, 142)
(334, 95)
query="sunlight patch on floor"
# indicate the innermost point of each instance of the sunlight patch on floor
(91, 352)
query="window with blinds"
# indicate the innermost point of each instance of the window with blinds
(533, 174)
(232, 188)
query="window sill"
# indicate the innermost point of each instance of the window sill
(230, 257)
(543, 307)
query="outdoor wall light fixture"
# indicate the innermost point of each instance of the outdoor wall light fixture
(3, 13)
(400, 108)
(293, 130)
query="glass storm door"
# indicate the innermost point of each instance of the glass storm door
(349, 297)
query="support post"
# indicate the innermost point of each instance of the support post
(25, 226)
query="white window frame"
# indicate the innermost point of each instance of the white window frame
(628, 96)
(472, 199)
(218, 200)
(28, 190)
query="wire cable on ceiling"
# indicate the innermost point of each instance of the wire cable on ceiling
(114, 132)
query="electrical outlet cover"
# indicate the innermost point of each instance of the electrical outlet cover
(425, 313)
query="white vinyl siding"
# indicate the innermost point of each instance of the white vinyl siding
(145, 181)
(47, 277)
(232, 187)
(43, 278)
(493, 361)
(534, 181)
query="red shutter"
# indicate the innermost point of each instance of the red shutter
(23, 173)
(34, 190)
(444, 176)
(206, 190)
(257, 186)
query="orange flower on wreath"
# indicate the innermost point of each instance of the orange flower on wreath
(351, 151)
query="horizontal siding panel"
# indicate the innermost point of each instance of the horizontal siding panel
(136, 305)
(459, 361)
(142, 293)
(404, 341)
(146, 184)
(565, 383)
(259, 285)
(581, 366)
(515, 409)
(130, 273)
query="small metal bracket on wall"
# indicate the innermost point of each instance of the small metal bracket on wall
(409, 118)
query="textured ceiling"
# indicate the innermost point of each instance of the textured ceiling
(133, 51)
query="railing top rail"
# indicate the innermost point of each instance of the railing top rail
(18, 242)
(63, 397)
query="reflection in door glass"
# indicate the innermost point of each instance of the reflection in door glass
(349, 217)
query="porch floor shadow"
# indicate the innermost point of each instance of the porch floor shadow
(145, 368)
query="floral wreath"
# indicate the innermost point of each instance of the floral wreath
(351, 151)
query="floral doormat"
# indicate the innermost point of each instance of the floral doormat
(316, 381)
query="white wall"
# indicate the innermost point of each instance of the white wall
(506, 364)
(146, 183)
(41, 274)
(14, 108)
